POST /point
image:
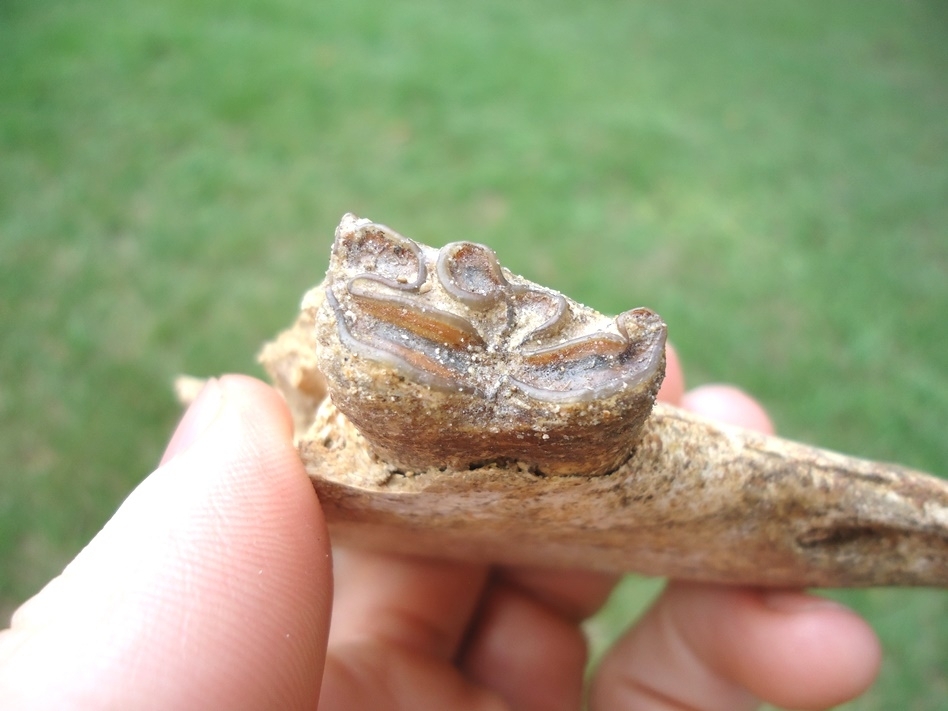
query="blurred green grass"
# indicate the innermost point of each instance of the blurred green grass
(773, 179)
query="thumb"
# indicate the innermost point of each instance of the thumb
(211, 586)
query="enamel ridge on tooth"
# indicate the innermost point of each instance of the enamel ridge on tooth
(443, 358)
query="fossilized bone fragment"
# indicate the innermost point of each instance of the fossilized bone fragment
(475, 415)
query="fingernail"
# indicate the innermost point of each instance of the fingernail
(788, 601)
(197, 418)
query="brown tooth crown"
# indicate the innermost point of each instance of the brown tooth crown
(442, 358)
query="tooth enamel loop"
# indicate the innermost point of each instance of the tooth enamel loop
(406, 361)
(544, 302)
(580, 372)
(471, 274)
(606, 346)
(427, 322)
(386, 257)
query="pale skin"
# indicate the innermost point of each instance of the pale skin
(212, 587)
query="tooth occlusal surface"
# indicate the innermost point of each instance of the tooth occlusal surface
(454, 335)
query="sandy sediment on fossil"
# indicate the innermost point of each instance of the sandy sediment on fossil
(686, 497)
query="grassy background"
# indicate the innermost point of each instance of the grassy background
(772, 179)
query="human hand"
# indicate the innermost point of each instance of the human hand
(212, 587)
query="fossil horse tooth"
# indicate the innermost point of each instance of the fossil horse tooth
(472, 414)
(441, 358)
